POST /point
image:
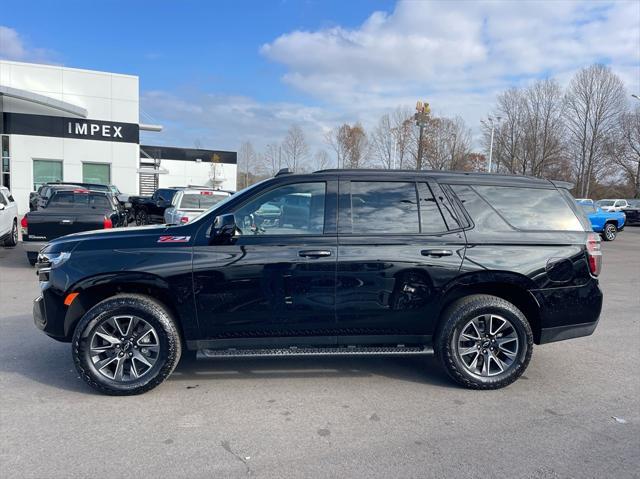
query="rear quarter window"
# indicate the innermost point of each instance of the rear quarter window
(531, 208)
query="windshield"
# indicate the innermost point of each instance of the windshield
(220, 204)
(587, 208)
(200, 201)
(605, 203)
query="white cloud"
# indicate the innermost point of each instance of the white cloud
(457, 55)
(14, 47)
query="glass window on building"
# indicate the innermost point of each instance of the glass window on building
(46, 171)
(96, 173)
(5, 162)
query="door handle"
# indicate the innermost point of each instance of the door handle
(314, 253)
(436, 253)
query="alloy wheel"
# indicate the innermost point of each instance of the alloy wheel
(124, 348)
(610, 232)
(488, 345)
(141, 218)
(14, 233)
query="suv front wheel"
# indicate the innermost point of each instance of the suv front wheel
(126, 344)
(485, 342)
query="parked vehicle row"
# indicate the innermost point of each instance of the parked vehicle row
(607, 223)
(474, 267)
(69, 211)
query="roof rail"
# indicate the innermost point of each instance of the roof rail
(284, 171)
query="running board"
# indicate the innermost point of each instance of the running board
(399, 350)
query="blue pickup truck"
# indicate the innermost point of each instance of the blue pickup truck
(604, 222)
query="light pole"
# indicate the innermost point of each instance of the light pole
(492, 121)
(423, 112)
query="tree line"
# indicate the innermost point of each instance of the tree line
(587, 133)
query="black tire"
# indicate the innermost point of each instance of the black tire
(32, 257)
(153, 313)
(12, 240)
(609, 232)
(457, 316)
(142, 217)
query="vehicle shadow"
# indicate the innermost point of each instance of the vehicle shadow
(53, 367)
(418, 369)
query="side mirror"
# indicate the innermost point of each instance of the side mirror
(224, 228)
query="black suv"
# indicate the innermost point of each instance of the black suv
(474, 267)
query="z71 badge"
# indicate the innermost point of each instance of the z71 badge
(174, 239)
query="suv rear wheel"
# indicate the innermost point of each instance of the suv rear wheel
(126, 344)
(485, 342)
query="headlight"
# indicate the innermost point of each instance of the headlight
(48, 261)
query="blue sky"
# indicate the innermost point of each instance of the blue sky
(218, 73)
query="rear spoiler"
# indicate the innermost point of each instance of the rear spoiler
(567, 185)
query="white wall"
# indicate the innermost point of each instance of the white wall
(105, 96)
(183, 173)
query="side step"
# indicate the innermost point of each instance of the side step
(399, 350)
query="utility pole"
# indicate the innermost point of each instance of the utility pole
(423, 112)
(492, 122)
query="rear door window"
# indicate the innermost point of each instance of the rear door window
(431, 220)
(384, 207)
(531, 208)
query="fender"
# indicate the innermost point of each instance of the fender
(177, 297)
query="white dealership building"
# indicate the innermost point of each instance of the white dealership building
(66, 124)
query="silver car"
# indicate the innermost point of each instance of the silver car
(190, 202)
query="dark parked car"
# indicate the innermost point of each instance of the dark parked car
(150, 209)
(633, 212)
(66, 212)
(474, 267)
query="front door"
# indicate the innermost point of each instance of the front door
(277, 278)
(396, 252)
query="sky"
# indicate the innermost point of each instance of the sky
(217, 73)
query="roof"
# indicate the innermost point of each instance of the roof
(448, 176)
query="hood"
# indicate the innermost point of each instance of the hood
(118, 237)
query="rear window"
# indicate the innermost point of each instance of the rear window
(71, 199)
(200, 201)
(531, 208)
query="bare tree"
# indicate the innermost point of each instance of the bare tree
(337, 140)
(272, 158)
(384, 142)
(247, 162)
(351, 145)
(402, 127)
(294, 147)
(627, 155)
(321, 160)
(593, 105)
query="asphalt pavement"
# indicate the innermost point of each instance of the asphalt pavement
(575, 412)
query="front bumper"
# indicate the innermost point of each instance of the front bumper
(33, 246)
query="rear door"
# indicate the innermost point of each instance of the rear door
(399, 244)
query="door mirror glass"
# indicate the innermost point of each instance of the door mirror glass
(224, 228)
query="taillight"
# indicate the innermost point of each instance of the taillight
(107, 223)
(594, 254)
(184, 219)
(24, 225)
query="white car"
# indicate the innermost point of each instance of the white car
(612, 205)
(188, 203)
(8, 218)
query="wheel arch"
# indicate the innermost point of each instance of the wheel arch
(511, 287)
(97, 288)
